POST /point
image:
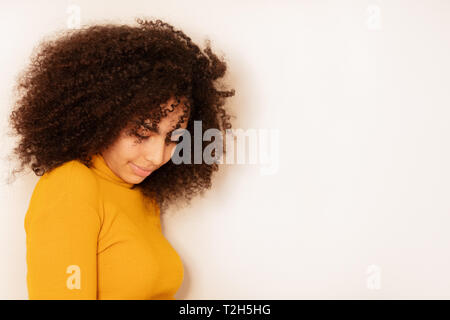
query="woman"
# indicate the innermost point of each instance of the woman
(95, 115)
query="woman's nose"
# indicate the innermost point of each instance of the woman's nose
(155, 151)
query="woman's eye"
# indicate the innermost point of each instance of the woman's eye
(140, 138)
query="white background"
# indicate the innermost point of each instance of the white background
(359, 91)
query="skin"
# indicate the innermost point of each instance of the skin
(151, 153)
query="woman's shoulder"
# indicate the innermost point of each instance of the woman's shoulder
(72, 173)
(70, 169)
(72, 178)
(64, 196)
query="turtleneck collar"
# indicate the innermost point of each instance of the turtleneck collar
(101, 168)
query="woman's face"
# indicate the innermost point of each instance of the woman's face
(133, 161)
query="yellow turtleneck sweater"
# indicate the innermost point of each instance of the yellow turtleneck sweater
(90, 236)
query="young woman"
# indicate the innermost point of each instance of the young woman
(95, 115)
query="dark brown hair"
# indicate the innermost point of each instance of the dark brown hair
(82, 88)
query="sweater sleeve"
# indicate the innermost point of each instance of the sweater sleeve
(62, 226)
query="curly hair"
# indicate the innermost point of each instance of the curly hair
(83, 88)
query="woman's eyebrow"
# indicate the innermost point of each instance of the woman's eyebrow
(150, 128)
(156, 130)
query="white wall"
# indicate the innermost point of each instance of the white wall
(359, 91)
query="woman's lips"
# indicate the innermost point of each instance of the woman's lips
(140, 172)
